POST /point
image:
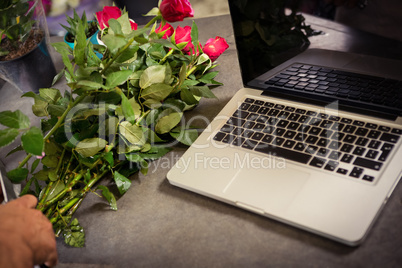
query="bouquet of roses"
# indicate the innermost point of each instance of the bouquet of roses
(121, 111)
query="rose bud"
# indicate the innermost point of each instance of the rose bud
(215, 47)
(184, 35)
(167, 28)
(176, 10)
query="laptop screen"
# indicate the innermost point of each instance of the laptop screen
(266, 35)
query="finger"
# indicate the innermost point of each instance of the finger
(44, 242)
(26, 201)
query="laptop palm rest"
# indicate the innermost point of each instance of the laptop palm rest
(266, 190)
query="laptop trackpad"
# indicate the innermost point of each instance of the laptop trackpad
(270, 190)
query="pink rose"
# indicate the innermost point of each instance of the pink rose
(106, 14)
(176, 10)
(168, 28)
(215, 47)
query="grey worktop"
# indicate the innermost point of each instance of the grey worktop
(158, 224)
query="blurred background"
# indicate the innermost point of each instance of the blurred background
(376, 16)
(57, 10)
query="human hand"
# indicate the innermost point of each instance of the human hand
(347, 3)
(26, 235)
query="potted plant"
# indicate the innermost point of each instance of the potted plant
(90, 28)
(25, 61)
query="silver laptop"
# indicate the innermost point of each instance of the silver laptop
(314, 143)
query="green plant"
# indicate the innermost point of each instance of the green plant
(16, 21)
(120, 113)
(90, 27)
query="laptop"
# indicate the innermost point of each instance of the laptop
(314, 143)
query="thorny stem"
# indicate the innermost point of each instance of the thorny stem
(67, 189)
(75, 202)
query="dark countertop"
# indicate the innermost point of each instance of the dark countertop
(159, 224)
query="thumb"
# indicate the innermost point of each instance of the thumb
(26, 201)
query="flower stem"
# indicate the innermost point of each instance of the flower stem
(67, 189)
(167, 55)
(151, 21)
(191, 71)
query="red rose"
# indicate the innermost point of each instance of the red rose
(215, 47)
(106, 14)
(184, 35)
(168, 28)
(134, 25)
(176, 10)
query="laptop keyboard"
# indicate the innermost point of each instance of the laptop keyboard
(355, 89)
(340, 145)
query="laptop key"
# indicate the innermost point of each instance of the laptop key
(285, 153)
(331, 165)
(368, 178)
(342, 171)
(249, 144)
(386, 150)
(317, 162)
(219, 136)
(366, 163)
(389, 137)
(356, 172)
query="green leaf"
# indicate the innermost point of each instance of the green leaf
(109, 196)
(32, 141)
(188, 97)
(168, 122)
(202, 91)
(17, 175)
(50, 161)
(153, 75)
(74, 235)
(51, 95)
(115, 26)
(122, 183)
(16, 149)
(114, 43)
(34, 165)
(80, 45)
(127, 109)
(117, 78)
(90, 85)
(40, 106)
(14, 119)
(153, 12)
(57, 187)
(185, 136)
(155, 152)
(125, 23)
(194, 34)
(132, 133)
(109, 158)
(156, 92)
(7, 136)
(208, 77)
(65, 51)
(90, 147)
